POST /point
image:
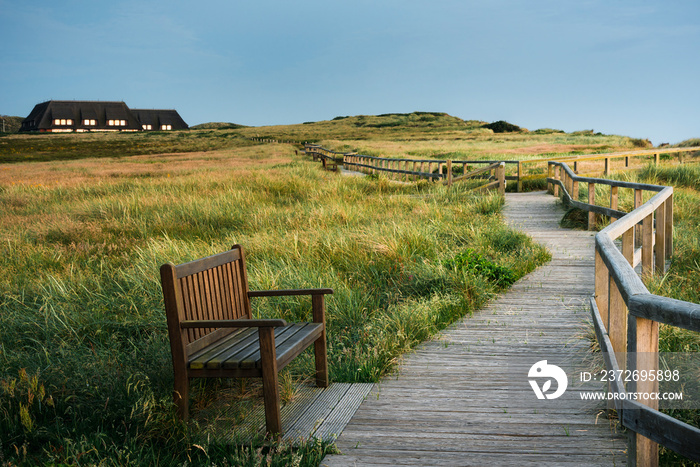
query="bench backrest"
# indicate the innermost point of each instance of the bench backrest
(211, 288)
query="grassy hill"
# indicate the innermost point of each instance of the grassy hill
(12, 124)
(417, 134)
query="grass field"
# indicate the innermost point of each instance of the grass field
(88, 219)
(85, 356)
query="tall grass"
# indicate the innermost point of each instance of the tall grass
(82, 326)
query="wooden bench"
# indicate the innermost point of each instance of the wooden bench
(212, 335)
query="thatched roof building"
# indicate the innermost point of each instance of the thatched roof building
(79, 116)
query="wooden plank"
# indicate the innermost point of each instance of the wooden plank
(316, 414)
(253, 360)
(341, 414)
(292, 347)
(199, 265)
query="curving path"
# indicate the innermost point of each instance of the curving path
(464, 398)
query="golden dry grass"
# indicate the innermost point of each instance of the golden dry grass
(81, 171)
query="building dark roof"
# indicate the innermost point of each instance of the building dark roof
(57, 116)
(158, 118)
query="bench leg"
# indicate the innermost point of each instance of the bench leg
(271, 391)
(320, 354)
(181, 396)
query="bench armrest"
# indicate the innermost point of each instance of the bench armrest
(283, 292)
(233, 323)
(318, 306)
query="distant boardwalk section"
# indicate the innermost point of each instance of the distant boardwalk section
(84, 116)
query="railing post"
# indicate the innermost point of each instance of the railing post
(602, 287)
(556, 177)
(638, 228)
(617, 314)
(669, 226)
(550, 174)
(591, 201)
(656, 158)
(564, 181)
(574, 189)
(501, 173)
(607, 166)
(627, 161)
(613, 197)
(440, 170)
(449, 173)
(643, 342)
(647, 246)
(660, 243)
(415, 177)
(520, 174)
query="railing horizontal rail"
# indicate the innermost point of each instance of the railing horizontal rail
(666, 310)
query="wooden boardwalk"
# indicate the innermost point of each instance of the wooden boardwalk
(464, 398)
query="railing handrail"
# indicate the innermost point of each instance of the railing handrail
(642, 419)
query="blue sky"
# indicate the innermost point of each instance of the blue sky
(620, 67)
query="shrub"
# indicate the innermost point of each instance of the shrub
(477, 264)
(502, 127)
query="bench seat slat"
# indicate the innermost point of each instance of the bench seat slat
(240, 339)
(234, 350)
(242, 350)
(253, 360)
(238, 352)
(288, 350)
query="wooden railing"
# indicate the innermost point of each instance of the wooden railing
(607, 160)
(626, 316)
(416, 169)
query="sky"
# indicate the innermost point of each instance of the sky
(628, 67)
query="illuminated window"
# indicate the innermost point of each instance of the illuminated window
(122, 122)
(89, 122)
(147, 127)
(166, 127)
(110, 122)
(63, 121)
